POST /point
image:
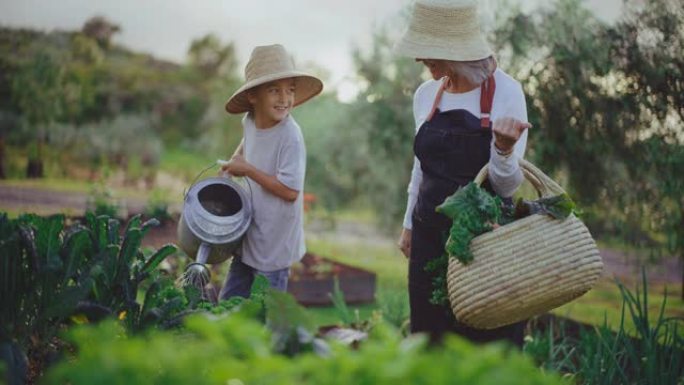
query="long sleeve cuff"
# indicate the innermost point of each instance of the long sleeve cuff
(505, 174)
(410, 204)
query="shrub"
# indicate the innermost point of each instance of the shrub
(236, 349)
(50, 273)
(654, 355)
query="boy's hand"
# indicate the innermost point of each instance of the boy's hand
(237, 166)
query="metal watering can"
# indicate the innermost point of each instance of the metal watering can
(216, 214)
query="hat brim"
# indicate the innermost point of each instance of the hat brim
(307, 87)
(472, 49)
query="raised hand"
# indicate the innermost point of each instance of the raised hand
(507, 131)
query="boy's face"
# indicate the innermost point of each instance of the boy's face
(272, 101)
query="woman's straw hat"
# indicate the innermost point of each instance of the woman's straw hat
(444, 29)
(269, 63)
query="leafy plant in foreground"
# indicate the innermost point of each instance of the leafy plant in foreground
(51, 274)
(236, 349)
(653, 354)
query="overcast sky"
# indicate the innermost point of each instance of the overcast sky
(320, 31)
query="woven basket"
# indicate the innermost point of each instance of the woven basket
(524, 268)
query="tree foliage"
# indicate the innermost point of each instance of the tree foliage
(73, 80)
(607, 103)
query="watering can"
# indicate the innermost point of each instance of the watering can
(216, 214)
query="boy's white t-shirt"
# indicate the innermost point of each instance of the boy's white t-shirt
(275, 238)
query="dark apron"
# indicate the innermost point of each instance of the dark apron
(452, 146)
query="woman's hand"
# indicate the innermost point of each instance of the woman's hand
(405, 242)
(237, 166)
(507, 131)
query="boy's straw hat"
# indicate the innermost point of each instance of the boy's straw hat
(444, 29)
(269, 63)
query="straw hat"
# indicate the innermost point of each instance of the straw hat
(269, 63)
(444, 29)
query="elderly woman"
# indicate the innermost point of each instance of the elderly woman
(471, 113)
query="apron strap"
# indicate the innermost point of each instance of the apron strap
(445, 81)
(486, 99)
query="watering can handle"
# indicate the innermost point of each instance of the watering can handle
(221, 163)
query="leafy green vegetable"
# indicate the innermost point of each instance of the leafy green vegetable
(558, 207)
(474, 211)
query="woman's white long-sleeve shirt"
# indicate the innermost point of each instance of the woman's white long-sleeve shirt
(505, 175)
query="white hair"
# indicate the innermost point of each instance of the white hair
(475, 71)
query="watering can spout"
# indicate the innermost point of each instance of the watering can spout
(203, 253)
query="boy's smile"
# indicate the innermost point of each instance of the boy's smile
(272, 101)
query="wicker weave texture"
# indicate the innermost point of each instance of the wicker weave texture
(525, 268)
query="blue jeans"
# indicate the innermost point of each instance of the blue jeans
(241, 276)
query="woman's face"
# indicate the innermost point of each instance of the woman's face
(437, 67)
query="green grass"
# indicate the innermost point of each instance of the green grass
(602, 302)
(605, 302)
(185, 164)
(387, 262)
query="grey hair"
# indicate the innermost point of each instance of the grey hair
(475, 71)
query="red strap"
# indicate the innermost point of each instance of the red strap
(486, 100)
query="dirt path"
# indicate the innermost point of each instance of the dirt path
(52, 201)
(618, 264)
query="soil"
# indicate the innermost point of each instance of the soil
(313, 278)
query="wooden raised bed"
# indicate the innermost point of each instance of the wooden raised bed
(312, 281)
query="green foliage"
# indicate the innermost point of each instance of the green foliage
(101, 201)
(473, 211)
(337, 297)
(234, 349)
(557, 207)
(212, 58)
(336, 157)
(394, 307)
(35, 88)
(365, 145)
(383, 116)
(158, 206)
(101, 30)
(40, 274)
(608, 98)
(655, 355)
(50, 273)
(551, 349)
(80, 83)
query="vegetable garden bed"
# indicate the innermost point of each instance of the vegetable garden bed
(312, 280)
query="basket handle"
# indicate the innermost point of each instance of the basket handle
(544, 185)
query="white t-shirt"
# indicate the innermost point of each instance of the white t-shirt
(505, 175)
(275, 238)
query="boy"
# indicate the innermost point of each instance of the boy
(273, 158)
